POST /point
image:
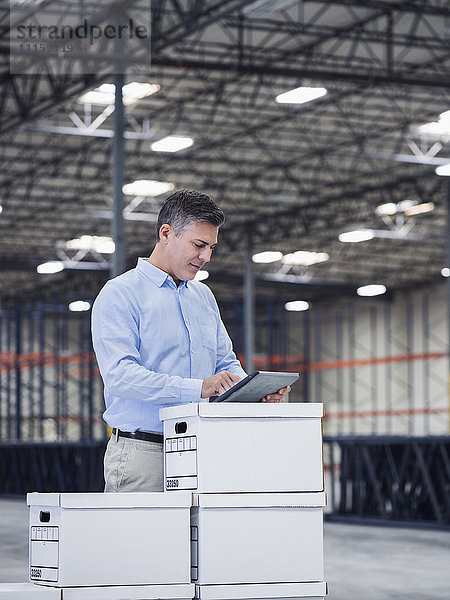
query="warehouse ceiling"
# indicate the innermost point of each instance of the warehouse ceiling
(290, 177)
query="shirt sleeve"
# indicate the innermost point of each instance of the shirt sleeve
(115, 336)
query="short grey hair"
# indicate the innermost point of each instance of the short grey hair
(184, 207)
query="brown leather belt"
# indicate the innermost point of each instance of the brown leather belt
(145, 436)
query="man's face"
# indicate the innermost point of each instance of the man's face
(188, 252)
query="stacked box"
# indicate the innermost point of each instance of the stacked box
(252, 447)
(256, 470)
(257, 538)
(249, 528)
(97, 539)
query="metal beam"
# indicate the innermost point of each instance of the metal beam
(370, 76)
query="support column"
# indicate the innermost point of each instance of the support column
(118, 162)
(249, 305)
(18, 356)
(448, 301)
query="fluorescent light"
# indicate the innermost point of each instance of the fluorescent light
(79, 306)
(131, 92)
(297, 305)
(409, 207)
(103, 95)
(301, 95)
(172, 143)
(53, 266)
(134, 91)
(302, 257)
(201, 275)
(360, 235)
(443, 170)
(439, 127)
(389, 208)
(1, 208)
(267, 257)
(371, 290)
(445, 272)
(103, 245)
(147, 187)
(419, 209)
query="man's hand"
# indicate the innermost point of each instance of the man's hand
(278, 397)
(219, 383)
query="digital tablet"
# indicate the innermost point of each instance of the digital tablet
(255, 386)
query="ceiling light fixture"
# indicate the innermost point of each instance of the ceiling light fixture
(445, 272)
(408, 207)
(359, 235)
(131, 92)
(266, 257)
(443, 170)
(301, 95)
(296, 305)
(304, 258)
(147, 187)
(79, 306)
(53, 266)
(419, 209)
(439, 127)
(371, 290)
(388, 209)
(201, 275)
(136, 90)
(172, 143)
(101, 244)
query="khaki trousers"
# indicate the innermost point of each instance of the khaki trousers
(133, 466)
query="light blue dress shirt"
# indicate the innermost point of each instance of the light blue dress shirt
(155, 344)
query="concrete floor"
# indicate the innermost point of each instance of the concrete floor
(361, 562)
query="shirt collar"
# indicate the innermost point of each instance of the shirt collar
(155, 274)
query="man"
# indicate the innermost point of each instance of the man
(160, 341)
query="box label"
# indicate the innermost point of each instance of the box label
(43, 574)
(181, 483)
(181, 463)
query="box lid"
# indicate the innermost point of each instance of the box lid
(261, 500)
(27, 591)
(112, 500)
(261, 590)
(43, 499)
(253, 410)
(132, 592)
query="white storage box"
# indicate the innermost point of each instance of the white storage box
(316, 590)
(257, 538)
(29, 591)
(109, 539)
(251, 447)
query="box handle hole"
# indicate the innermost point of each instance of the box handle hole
(181, 427)
(44, 516)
